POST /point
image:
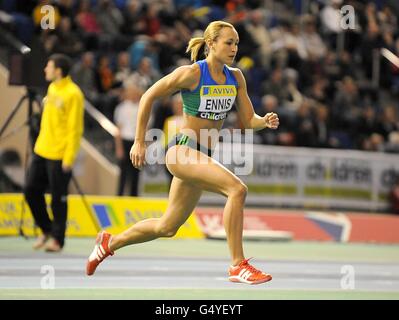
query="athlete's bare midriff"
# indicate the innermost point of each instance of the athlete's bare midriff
(192, 127)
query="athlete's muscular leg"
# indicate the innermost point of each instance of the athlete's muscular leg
(210, 175)
(183, 197)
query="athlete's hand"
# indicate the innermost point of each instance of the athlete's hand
(137, 154)
(271, 120)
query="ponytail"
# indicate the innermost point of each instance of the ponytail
(198, 46)
(195, 45)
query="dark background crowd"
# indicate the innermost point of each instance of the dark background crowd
(329, 85)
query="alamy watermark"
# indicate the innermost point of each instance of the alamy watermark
(48, 280)
(347, 17)
(235, 148)
(348, 277)
(48, 19)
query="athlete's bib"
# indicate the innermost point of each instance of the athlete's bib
(210, 100)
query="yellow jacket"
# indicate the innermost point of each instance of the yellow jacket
(61, 126)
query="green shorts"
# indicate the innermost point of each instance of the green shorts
(183, 140)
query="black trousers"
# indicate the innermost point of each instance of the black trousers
(128, 172)
(46, 174)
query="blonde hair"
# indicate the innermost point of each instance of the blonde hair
(211, 33)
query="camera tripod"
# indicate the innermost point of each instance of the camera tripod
(33, 123)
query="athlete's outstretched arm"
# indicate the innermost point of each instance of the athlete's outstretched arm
(246, 111)
(182, 78)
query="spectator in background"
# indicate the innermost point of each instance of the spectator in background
(143, 46)
(162, 111)
(86, 19)
(304, 126)
(318, 90)
(392, 146)
(55, 152)
(87, 25)
(322, 128)
(125, 117)
(371, 40)
(269, 104)
(315, 49)
(110, 20)
(394, 197)
(86, 77)
(145, 75)
(366, 125)
(83, 74)
(48, 38)
(151, 19)
(375, 142)
(134, 23)
(258, 31)
(187, 19)
(123, 70)
(292, 98)
(109, 17)
(389, 121)
(104, 74)
(275, 85)
(288, 39)
(286, 46)
(330, 17)
(345, 109)
(66, 8)
(67, 41)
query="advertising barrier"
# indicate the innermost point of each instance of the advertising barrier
(301, 177)
(114, 214)
(309, 225)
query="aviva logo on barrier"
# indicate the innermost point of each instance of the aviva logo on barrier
(112, 213)
(106, 215)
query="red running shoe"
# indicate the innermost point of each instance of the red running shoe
(245, 273)
(100, 252)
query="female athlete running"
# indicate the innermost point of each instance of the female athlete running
(209, 88)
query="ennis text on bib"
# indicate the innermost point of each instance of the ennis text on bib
(210, 100)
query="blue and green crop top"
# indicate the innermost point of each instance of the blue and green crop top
(210, 100)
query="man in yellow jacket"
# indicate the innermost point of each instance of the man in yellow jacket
(55, 150)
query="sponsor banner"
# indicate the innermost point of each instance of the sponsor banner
(13, 208)
(311, 225)
(300, 177)
(114, 214)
